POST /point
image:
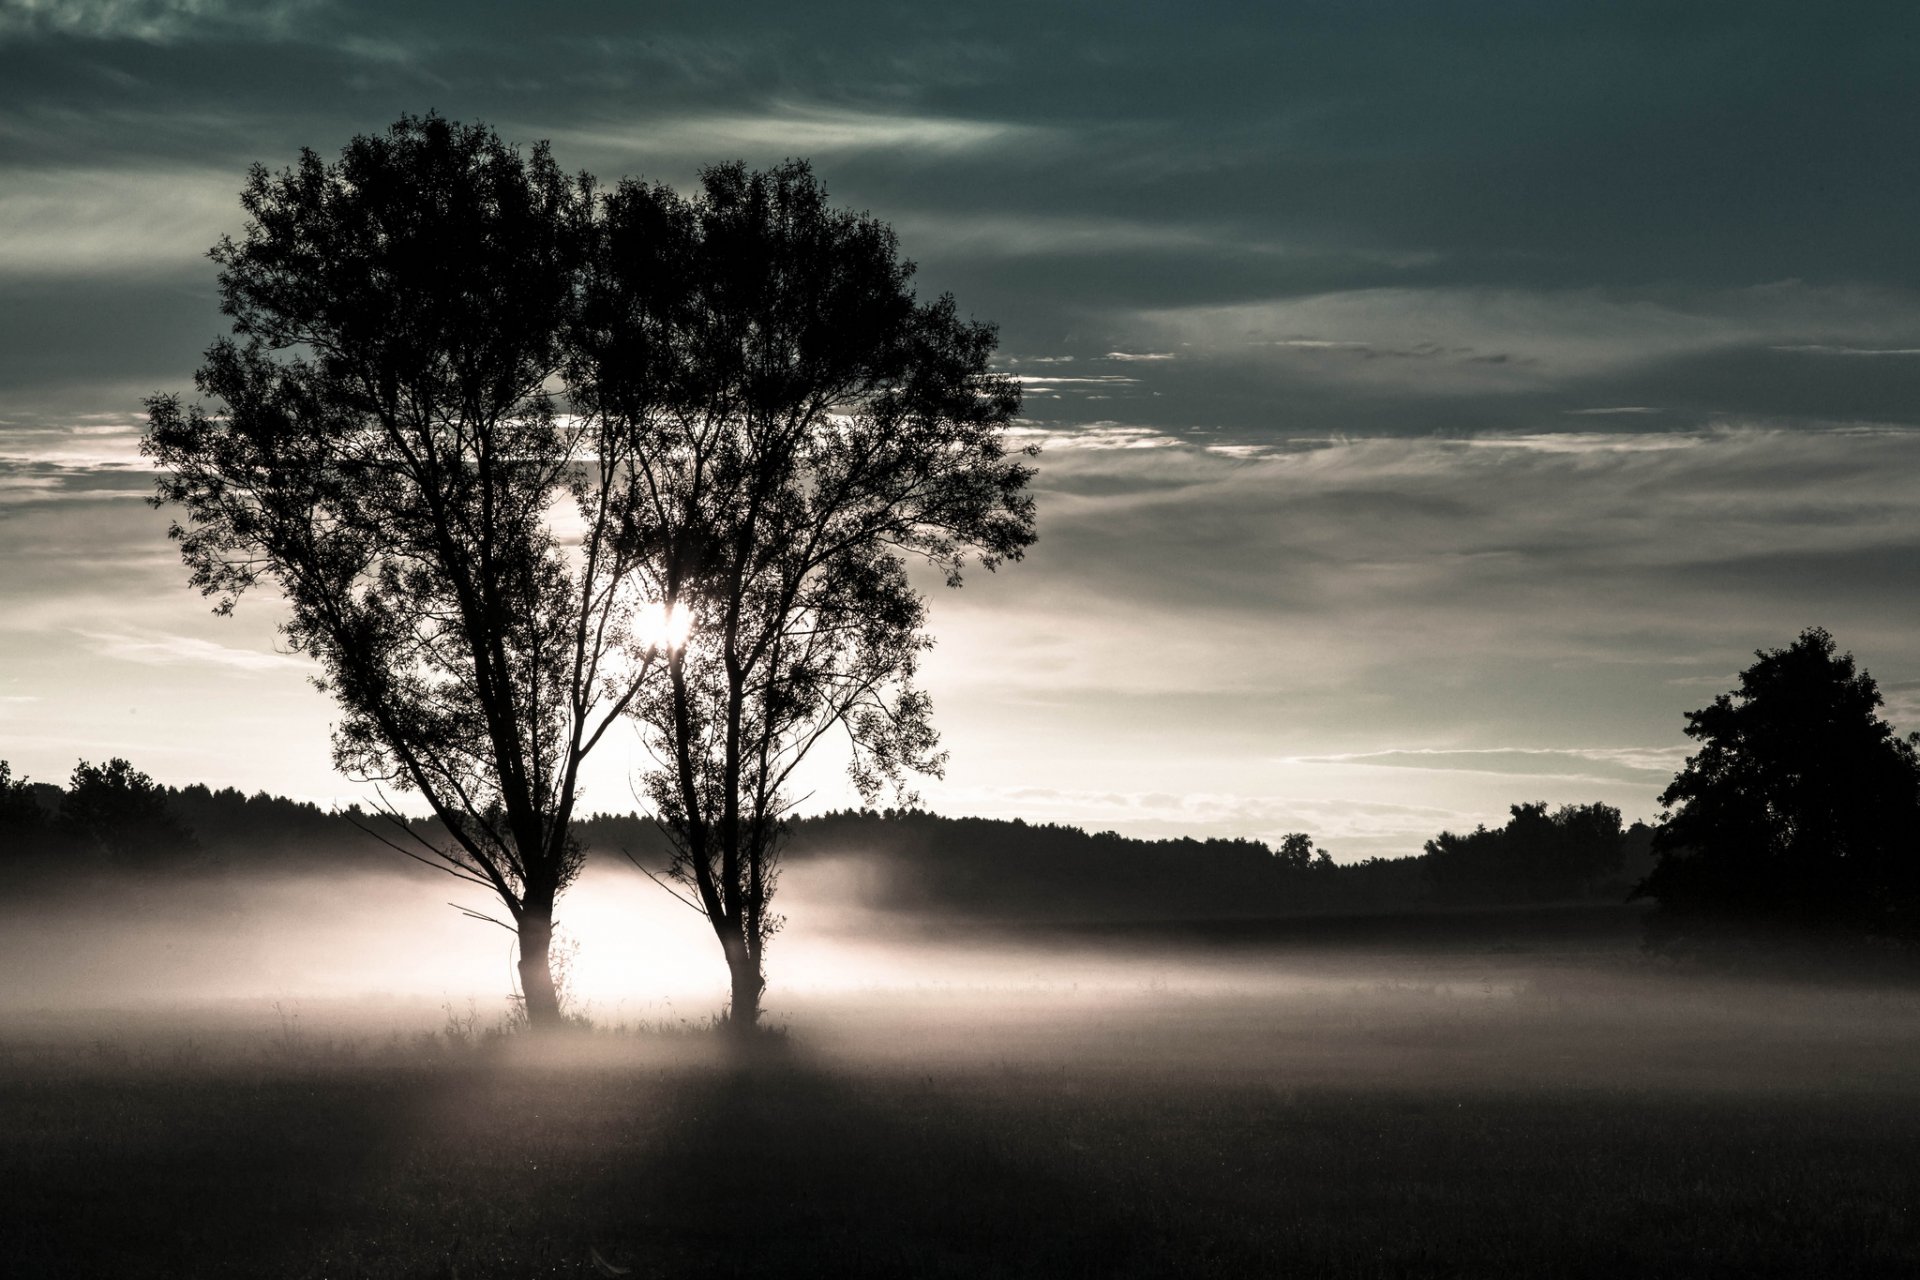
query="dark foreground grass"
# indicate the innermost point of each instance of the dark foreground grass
(1383, 1131)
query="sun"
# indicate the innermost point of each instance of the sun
(662, 628)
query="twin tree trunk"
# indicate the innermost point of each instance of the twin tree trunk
(536, 968)
(749, 982)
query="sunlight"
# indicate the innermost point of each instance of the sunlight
(662, 628)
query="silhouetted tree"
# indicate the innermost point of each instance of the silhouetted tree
(1538, 856)
(1297, 853)
(1801, 808)
(386, 452)
(123, 816)
(23, 823)
(801, 426)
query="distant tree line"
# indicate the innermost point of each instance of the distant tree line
(114, 818)
(1799, 815)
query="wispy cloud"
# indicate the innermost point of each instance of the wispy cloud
(113, 221)
(792, 129)
(80, 440)
(1573, 762)
(1826, 349)
(1479, 341)
(158, 649)
(153, 21)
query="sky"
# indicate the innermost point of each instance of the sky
(1436, 402)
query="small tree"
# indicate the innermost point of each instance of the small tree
(386, 453)
(800, 426)
(1801, 808)
(1297, 853)
(123, 815)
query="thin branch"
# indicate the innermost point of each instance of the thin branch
(456, 872)
(481, 916)
(662, 883)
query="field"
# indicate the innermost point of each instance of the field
(1223, 1103)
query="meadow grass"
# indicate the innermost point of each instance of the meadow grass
(1473, 1116)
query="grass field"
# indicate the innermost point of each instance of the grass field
(1286, 1110)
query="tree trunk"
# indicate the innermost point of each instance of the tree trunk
(536, 970)
(743, 1014)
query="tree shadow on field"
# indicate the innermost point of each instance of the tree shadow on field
(775, 1167)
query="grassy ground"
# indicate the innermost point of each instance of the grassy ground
(1472, 1116)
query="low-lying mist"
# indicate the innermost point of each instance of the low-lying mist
(1496, 999)
(626, 948)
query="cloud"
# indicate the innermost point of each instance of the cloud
(1825, 349)
(1479, 341)
(152, 21)
(161, 650)
(69, 461)
(782, 129)
(1608, 764)
(110, 222)
(1039, 234)
(1469, 596)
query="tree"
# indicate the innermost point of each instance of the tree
(23, 823)
(1538, 856)
(123, 815)
(386, 453)
(1297, 853)
(1801, 808)
(801, 425)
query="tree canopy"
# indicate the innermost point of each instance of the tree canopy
(123, 817)
(1538, 856)
(1801, 807)
(23, 822)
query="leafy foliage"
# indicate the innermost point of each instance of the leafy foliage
(1297, 853)
(23, 823)
(1801, 808)
(122, 816)
(1537, 857)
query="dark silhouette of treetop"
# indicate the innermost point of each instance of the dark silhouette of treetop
(1539, 856)
(122, 816)
(1801, 807)
(23, 823)
(1297, 853)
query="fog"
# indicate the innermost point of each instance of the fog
(627, 949)
(259, 963)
